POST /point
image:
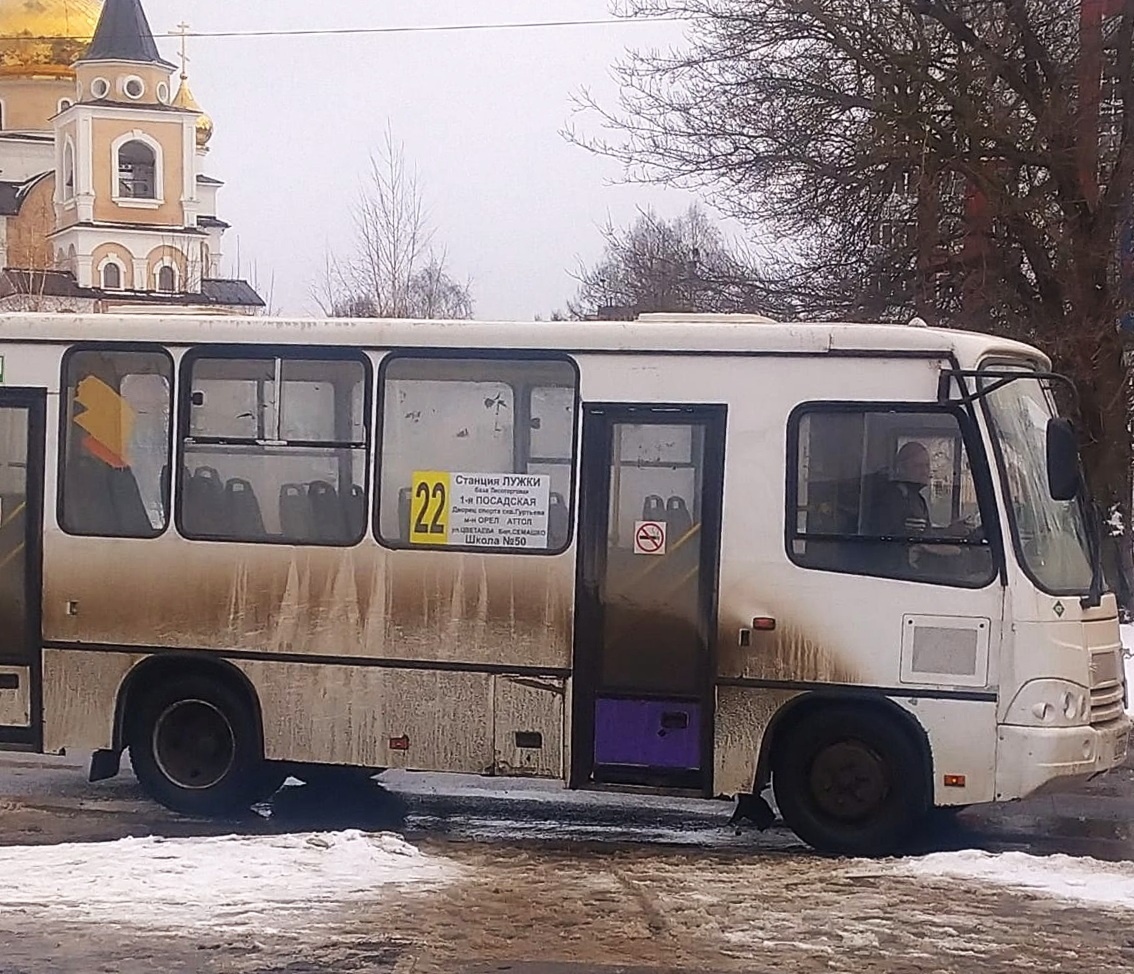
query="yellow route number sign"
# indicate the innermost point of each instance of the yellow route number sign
(429, 508)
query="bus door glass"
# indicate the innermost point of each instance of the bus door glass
(651, 532)
(21, 473)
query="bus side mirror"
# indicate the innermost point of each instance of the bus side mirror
(1063, 480)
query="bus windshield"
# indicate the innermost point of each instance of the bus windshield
(1051, 537)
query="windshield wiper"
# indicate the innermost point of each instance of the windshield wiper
(989, 381)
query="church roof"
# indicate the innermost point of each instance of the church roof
(45, 37)
(13, 194)
(9, 198)
(123, 34)
(231, 291)
(62, 284)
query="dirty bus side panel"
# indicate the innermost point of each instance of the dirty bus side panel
(361, 652)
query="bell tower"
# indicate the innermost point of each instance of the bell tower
(126, 199)
(104, 205)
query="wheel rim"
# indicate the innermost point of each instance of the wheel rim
(194, 744)
(849, 781)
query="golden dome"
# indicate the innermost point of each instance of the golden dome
(45, 37)
(185, 99)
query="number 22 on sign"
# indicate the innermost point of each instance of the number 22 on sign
(429, 508)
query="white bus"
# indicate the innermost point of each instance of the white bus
(694, 554)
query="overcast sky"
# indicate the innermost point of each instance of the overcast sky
(479, 114)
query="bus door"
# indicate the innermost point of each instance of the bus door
(21, 520)
(650, 518)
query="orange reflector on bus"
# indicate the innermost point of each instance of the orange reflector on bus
(399, 743)
(764, 624)
(954, 781)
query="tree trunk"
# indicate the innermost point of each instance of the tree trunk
(1104, 419)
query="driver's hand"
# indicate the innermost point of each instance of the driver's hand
(968, 528)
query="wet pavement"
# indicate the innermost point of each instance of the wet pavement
(45, 799)
(556, 882)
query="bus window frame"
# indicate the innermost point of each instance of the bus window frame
(979, 467)
(486, 355)
(308, 353)
(65, 419)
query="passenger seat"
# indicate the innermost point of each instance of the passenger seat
(328, 517)
(203, 504)
(558, 522)
(242, 509)
(679, 522)
(295, 513)
(654, 508)
(355, 506)
(405, 511)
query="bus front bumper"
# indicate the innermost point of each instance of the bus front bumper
(1037, 759)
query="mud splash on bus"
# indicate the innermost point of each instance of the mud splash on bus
(788, 653)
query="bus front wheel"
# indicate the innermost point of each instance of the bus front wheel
(195, 747)
(850, 781)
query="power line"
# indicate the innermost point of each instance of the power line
(411, 29)
(431, 28)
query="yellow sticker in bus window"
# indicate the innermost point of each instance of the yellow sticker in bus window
(429, 509)
(108, 420)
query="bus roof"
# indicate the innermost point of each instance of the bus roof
(663, 333)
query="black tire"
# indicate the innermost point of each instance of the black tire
(195, 746)
(850, 780)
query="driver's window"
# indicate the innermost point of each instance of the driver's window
(887, 492)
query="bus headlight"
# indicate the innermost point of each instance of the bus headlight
(1050, 703)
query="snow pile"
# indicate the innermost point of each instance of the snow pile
(266, 882)
(1083, 880)
(1115, 522)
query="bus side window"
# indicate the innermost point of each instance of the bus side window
(886, 491)
(477, 453)
(284, 438)
(115, 448)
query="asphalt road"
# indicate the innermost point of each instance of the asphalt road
(582, 883)
(44, 799)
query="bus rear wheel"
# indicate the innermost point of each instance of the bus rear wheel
(850, 781)
(195, 747)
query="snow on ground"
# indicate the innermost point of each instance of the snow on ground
(263, 882)
(1079, 879)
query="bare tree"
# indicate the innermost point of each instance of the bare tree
(435, 294)
(393, 270)
(681, 264)
(971, 161)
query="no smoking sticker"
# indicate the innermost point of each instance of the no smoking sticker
(649, 538)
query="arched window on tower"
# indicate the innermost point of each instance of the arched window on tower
(112, 277)
(68, 171)
(137, 171)
(166, 279)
